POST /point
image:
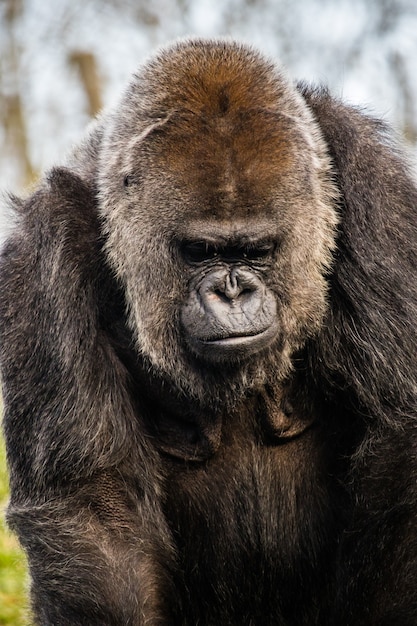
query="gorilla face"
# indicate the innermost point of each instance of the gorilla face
(230, 313)
(219, 215)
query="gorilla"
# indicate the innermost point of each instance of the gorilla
(208, 353)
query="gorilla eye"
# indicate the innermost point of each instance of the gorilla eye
(260, 251)
(128, 180)
(198, 251)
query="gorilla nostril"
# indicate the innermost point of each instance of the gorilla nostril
(218, 294)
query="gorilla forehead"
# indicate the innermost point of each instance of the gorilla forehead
(231, 150)
(227, 153)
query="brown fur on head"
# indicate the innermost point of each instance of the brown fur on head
(211, 139)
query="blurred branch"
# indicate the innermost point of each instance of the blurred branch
(409, 126)
(13, 10)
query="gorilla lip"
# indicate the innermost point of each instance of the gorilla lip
(234, 339)
(232, 344)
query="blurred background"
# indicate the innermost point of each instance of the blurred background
(63, 60)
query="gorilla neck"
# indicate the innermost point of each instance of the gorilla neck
(183, 428)
(184, 412)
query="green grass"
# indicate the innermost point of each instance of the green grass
(13, 576)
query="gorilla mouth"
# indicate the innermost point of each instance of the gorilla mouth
(235, 345)
(235, 339)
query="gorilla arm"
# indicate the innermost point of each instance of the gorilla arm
(95, 537)
(367, 348)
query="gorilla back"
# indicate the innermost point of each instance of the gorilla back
(207, 348)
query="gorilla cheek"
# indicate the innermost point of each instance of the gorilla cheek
(230, 314)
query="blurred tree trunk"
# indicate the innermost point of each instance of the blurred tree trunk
(12, 109)
(86, 64)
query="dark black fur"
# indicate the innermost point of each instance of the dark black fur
(139, 504)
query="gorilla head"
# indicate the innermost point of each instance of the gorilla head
(219, 215)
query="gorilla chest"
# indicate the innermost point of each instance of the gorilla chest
(247, 518)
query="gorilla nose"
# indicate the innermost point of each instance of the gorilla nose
(231, 285)
(239, 282)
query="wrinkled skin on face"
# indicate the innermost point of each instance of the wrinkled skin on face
(229, 313)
